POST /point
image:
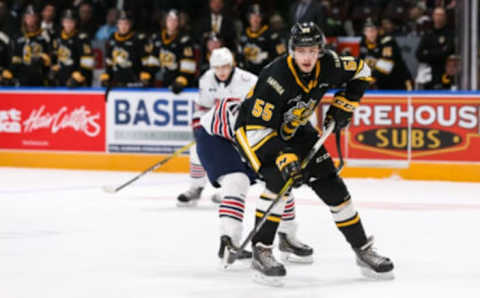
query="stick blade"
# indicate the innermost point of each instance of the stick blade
(109, 189)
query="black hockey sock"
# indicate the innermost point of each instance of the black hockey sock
(267, 232)
(353, 232)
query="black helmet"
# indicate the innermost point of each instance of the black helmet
(30, 10)
(304, 35)
(125, 15)
(369, 23)
(69, 14)
(255, 9)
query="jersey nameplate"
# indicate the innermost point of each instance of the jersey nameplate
(275, 85)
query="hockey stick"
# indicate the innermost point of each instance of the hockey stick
(111, 189)
(338, 140)
(230, 258)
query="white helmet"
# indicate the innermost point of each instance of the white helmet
(220, 57)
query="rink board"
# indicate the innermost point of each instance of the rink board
(416, 135)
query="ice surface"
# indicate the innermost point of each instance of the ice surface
(61, 236)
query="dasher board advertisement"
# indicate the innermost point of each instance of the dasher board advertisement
(417, 126)
(153, 121)
(48, 119)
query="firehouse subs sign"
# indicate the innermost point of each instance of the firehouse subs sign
(416, 126)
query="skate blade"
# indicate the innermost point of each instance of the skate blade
(293, 258)
(227, 260)
(192, 203)
(216, 199)
(272, 281)
(369, 273)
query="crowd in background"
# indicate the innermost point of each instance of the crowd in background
(167, 42)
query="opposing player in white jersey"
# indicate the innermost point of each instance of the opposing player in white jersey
(225, 168)
(222, 80)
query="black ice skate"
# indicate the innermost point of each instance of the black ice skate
(227, 248)
(190, 197)
(266, 269)
(292, 250)
(372, 264)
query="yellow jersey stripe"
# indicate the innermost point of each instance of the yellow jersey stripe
(254, 127)
(243, 141)
(263, 141)
(350, 222)
(270, 217)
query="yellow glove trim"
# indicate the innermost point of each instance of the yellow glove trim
(77, 76)
(182, 80)
(104, 77)
(344, 104)
(145, 76)
(7, 74)
(284, 159)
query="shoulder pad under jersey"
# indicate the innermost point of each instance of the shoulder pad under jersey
(386, 39)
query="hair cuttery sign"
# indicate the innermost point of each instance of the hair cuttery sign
(52, 120)
(417, 126)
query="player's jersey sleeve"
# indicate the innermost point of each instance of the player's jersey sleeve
(243, 82)
(86, 59)
(354, 74)
(188, 64)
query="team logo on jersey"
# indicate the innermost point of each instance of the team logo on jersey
(64, 55)
(121, 58)
(254, 54)
(295, 117)
(30, 51)
(168, 60)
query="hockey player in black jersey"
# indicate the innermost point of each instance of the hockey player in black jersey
(258, 45)
(274, 134)
(383, 56)
(125, 55)
(31, 52)
(6, 75)
(173, 53)
(72, 57)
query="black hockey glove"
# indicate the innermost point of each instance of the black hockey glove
(289, 166)
(341, 110)
(179, 84)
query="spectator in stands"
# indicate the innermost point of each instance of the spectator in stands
(218, 23)
(125, 53)
(335, 20)
(48, 19)
(5, 56)
(86, 21)
(307, 11)
(383, 56)
(72, 55)
(418, 22)
(8, 23)
(31, 52)
(277, 24)
(173, 54)
(211, 42)
(388, 27)
(361, 11)
(258, 44)
(434, 48)
(105, 31)
(452, 70)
